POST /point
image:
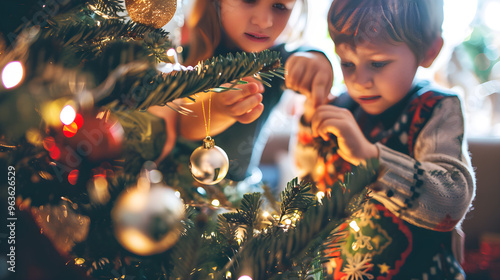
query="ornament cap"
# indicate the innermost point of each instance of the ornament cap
(208, 142)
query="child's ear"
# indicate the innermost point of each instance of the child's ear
(432, 52)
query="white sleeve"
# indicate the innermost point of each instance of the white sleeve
(433, 190)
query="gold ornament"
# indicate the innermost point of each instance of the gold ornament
(154, 13)
(147, 221)
(209, 163)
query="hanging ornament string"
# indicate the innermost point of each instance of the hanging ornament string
(208, 163)
(207, 124)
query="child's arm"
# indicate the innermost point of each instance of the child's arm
(311, 74)
(227, 107)
(433, 190)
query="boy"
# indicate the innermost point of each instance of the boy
(414, 129)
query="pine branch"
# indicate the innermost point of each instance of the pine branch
(109, 7)
(266, 255)
(296, 197)
(185, 254)
(227, 230)
(247, 214)
(138, 89)
(87, 37)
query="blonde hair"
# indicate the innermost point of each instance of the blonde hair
(417, 23)
(205, 29)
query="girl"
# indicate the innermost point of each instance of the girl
(219, 27)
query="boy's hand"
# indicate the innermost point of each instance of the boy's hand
(311, 74)
(243, 105)
(353, 146)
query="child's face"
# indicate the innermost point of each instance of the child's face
(254, 25)
(377, 74)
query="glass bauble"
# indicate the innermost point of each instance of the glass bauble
(154, 13)
(209, 163)
(147, 221)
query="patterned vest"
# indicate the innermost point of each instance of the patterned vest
(377, 244)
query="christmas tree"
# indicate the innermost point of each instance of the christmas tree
(85, 200)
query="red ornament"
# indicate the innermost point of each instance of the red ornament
(93, 136)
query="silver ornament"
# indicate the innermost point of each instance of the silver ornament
(209, 163)
(147, 220)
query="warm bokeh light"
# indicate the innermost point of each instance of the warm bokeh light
(245, 277)
(70, 130)
(354, 226)
(320, 195)
(67, 115)
(78, 120)
(73, 176)
(12, 74)
(51, 111)
(155, 176)
(99, 193)
(55, 153)
(34, 136)
(171, 52)
(48, 143)
(215, 202)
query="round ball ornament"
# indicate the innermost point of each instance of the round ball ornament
(209, 163)
(97, 136)
(147, 221)
(154, 13)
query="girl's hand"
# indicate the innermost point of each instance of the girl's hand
(242, 105)
(353, 146)
(311, 74)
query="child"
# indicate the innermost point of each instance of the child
(416, 131)
(219, 27)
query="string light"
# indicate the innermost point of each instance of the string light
(73, 176)
(155, 176)
(172, 52)
(354, 226)
(12, 74)
(215, 202)
(68, 115)
(55, 153)
(70, 130)
(320, 195)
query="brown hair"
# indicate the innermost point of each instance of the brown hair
(204, 30)
(417, 23)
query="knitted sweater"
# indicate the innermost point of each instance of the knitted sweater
(424, 192)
